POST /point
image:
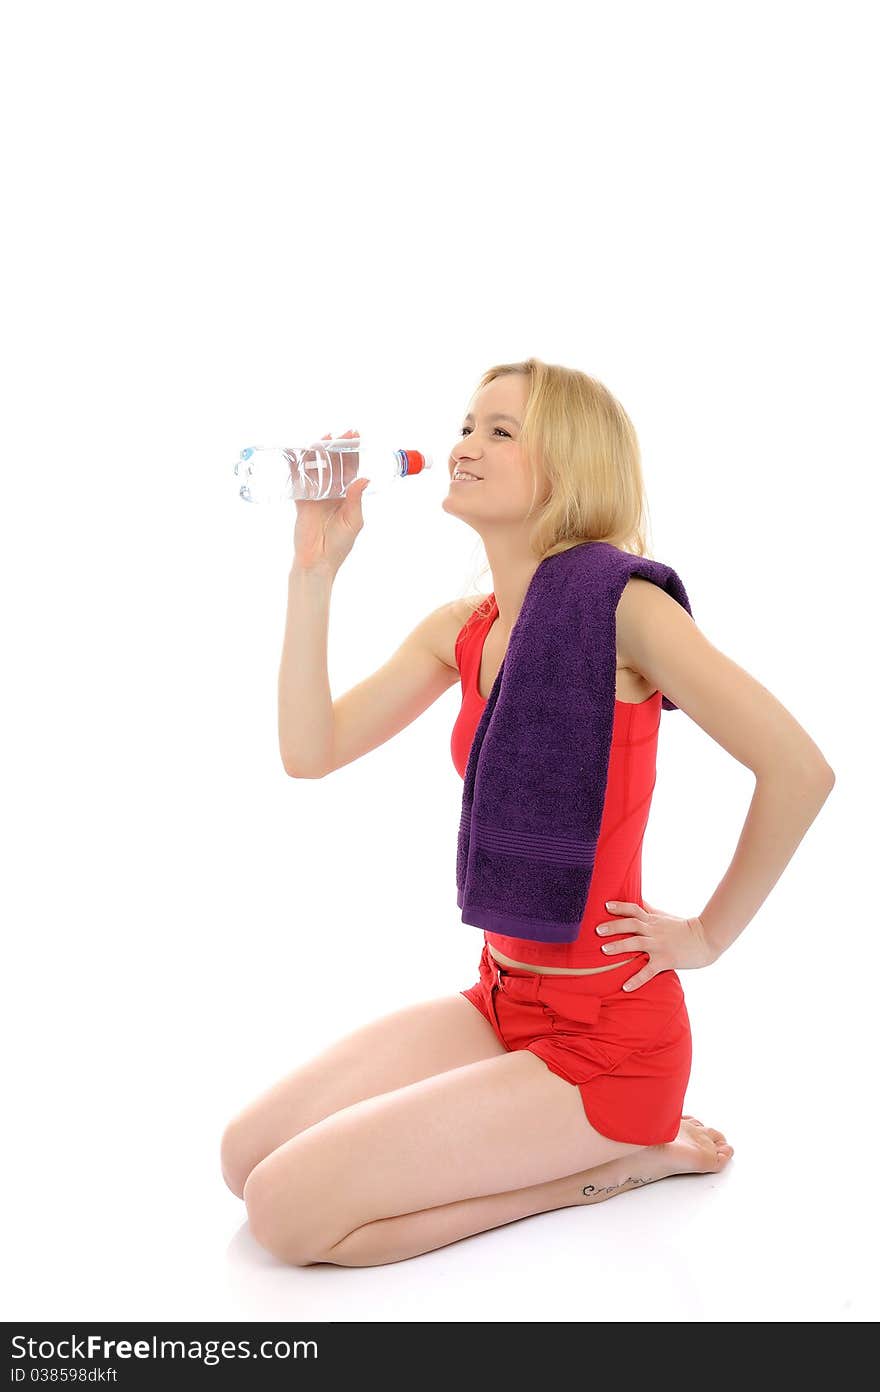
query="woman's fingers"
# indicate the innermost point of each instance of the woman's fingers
(633, 910)
(640, 979)
(626, 945)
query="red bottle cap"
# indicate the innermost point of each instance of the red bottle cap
(415, 461)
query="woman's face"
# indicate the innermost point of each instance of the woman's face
(488, 447)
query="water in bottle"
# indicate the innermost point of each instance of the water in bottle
(269, 474)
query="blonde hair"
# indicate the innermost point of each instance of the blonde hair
(587, 446)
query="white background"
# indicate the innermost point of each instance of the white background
(227, 224)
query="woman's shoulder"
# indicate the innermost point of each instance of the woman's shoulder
(459, 614)
(472, 604)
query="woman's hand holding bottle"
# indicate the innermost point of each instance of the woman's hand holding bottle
(326, 528)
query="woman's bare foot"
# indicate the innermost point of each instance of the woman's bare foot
(697, 1149)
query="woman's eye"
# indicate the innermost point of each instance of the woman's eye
(464, 431)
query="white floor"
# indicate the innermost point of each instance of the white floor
(115, 1216)
(159, 1240)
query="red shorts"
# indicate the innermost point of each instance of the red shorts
(629, 1052)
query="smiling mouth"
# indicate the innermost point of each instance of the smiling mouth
(466, 478)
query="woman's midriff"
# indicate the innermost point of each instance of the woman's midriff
(555, 971)
(617, 870)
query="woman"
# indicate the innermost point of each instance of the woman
(558, 1077)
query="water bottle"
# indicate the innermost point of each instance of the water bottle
(324, 469)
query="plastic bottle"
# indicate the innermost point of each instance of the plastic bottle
(324, 469)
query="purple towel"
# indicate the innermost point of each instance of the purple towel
(536, 775)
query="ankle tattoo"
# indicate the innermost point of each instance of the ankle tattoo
(593, 1190)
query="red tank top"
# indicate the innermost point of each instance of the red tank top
(632, 772)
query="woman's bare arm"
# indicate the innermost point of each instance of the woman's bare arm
(318, 735)
(657, 637)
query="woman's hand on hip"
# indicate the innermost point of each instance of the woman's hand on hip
(672, 944)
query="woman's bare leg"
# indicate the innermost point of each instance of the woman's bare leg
(451, 1155)
(697, 1150)
(412, 1043)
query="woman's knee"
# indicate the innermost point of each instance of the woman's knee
(237, 1156)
